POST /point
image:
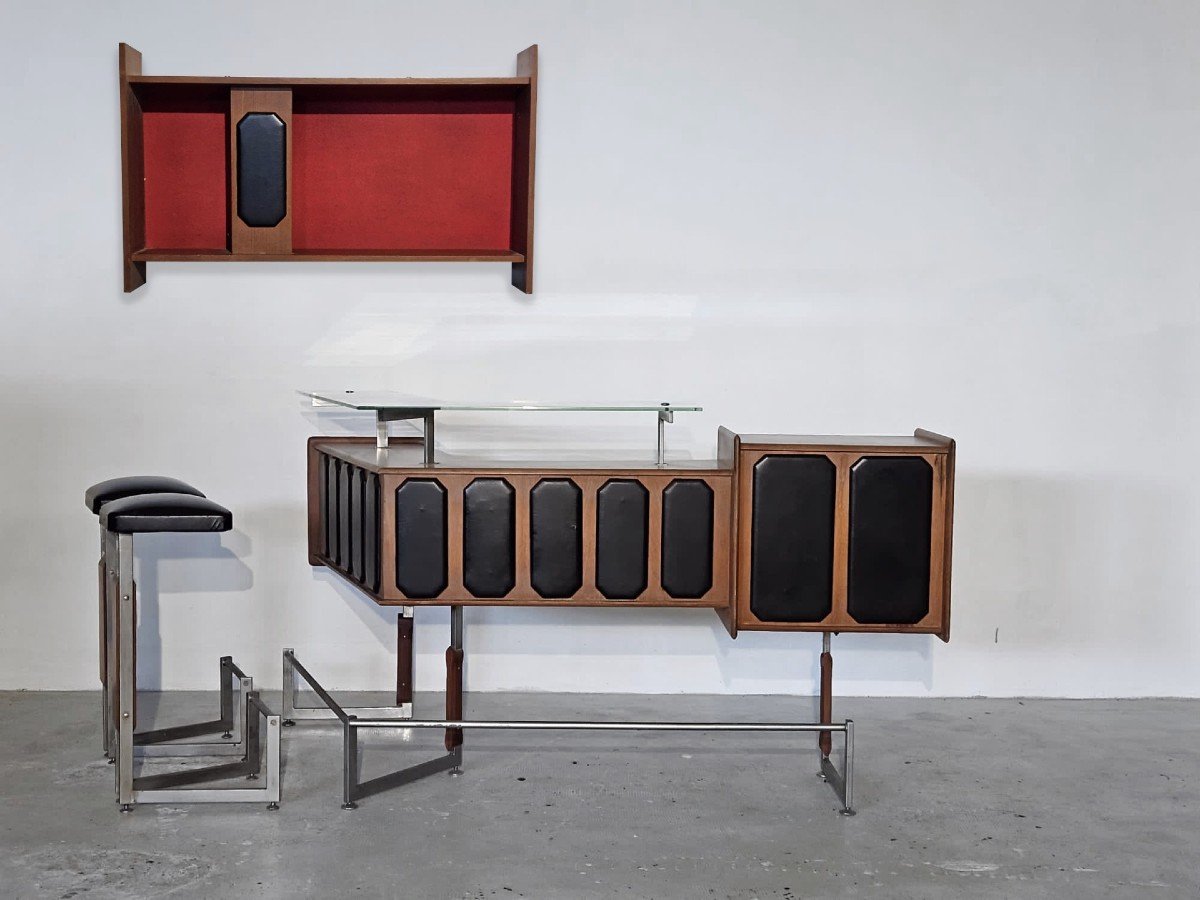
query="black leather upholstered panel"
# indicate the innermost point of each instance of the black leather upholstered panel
(132, 485)
(331, 507)
(358, 483)
(323, 502)
(891, 509)
(421, 538)
(687, 538)
(371, 532)
(343, 553)
(489, 537)
(556, 537)
(261, 169)
(164, 512)
(622, 522)
(791, 538)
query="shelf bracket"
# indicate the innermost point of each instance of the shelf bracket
(665, 415)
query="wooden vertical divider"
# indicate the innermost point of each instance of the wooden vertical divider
(245, 238)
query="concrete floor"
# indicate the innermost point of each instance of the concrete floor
(979, 798)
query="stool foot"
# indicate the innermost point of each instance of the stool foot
(227, 735)
(272, 806)
(350, 805)
(252, 777)
(126, 807)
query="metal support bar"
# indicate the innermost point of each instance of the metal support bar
(384, 416)
(664, 416)
(352, 789)
(825, 739)
(106, 725)
(585, 725)
(428, 438)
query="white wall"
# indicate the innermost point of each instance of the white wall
(817, 217)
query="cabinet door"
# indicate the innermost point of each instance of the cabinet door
(891, 508)
(791, 549)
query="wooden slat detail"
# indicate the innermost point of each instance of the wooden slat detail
(245, 239)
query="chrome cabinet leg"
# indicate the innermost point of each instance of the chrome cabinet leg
(349, 763)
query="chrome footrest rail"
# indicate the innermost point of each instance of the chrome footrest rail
(354, 790)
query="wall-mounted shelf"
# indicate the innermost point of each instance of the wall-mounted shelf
(356, 169)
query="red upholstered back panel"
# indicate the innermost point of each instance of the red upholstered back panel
(186, 191)
(394, 174)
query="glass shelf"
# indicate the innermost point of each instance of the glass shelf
(392, 406)
(384, 401)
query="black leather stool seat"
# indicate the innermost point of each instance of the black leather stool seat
(164, 512)
(116, 488)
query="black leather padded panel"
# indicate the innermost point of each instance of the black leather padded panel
(489, 537)
(131, 485)
(371, 532)
(331, 505)
(687, 538)
(343, 552)
(421, 538)
(791, 538)
(261, 169)
(556, 537)
(891, 508)
(622, 522)
(358, 483)
(323, 502)
(164, 512)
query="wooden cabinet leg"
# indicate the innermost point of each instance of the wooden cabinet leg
(404, 659)
(454, 677)
(454, 668)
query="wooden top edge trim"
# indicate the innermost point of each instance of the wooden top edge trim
(548, 467)
(933, 436)
(919, 442)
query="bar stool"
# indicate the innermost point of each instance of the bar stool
(95, 497)
(166, 741)
(121, 519)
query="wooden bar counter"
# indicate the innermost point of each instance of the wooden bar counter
(778, 533)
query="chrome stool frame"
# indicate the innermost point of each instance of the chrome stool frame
(245, 719)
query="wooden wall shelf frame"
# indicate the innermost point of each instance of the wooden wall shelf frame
(376, 169)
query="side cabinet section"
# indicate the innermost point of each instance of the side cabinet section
(845, 534)
(345, 531)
